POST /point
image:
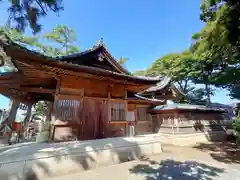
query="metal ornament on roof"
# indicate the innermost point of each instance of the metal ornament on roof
(99, 42)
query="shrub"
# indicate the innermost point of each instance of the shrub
(236, 128)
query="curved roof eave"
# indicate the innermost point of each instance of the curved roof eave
(165, 81)
(9, 46)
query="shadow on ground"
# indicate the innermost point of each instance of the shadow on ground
(226, 152)
(176, 170)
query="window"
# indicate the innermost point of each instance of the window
(141, 114)
(118, 111)
(67, 109)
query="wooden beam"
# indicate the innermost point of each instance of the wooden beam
(119, 122)
(9, 81)
(68, 97)
(38, 90)
(10, 75)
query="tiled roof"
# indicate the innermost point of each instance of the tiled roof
(175, 106)
(6, 41)
(165, 81)
(60, 61)
(159, 78)
(149, 99)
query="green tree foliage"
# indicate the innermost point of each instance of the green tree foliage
(225, 13)
(64, 38)
(235, 91)
(217, 45)
(17, 37)
(60, 41)
(179, 66)
(23, 13)
(236, 128)
(183, 69)
(40, 109)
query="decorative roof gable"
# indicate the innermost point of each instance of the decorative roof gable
(98, 56)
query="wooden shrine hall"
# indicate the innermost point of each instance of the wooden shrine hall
(90, 95)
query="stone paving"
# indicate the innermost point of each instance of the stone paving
(176, 163)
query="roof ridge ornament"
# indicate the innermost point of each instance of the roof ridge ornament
(99, 43)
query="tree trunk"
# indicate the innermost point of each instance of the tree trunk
(208, 94)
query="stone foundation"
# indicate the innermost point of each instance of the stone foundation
(193, 138)
(40, 161)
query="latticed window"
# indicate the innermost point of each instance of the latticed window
(118, 111)
(67, 109)
(142, 114)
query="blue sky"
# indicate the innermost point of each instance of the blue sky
(141, 31)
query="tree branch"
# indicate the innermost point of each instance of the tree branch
(42, 8)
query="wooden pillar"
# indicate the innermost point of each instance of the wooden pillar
(109, 106)
(172, 124)
(13, 111)
(192, 121)
(126, 103)
(27, 118)
(126, 110)
(56, 97)
(12, 114)
(28, 115)
(176, 120)
(53, 118)
(49, 111)
(52, 110)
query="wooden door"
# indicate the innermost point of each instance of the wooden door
(93, 119)
(104, 123)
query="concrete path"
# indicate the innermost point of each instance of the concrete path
(176, 163)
